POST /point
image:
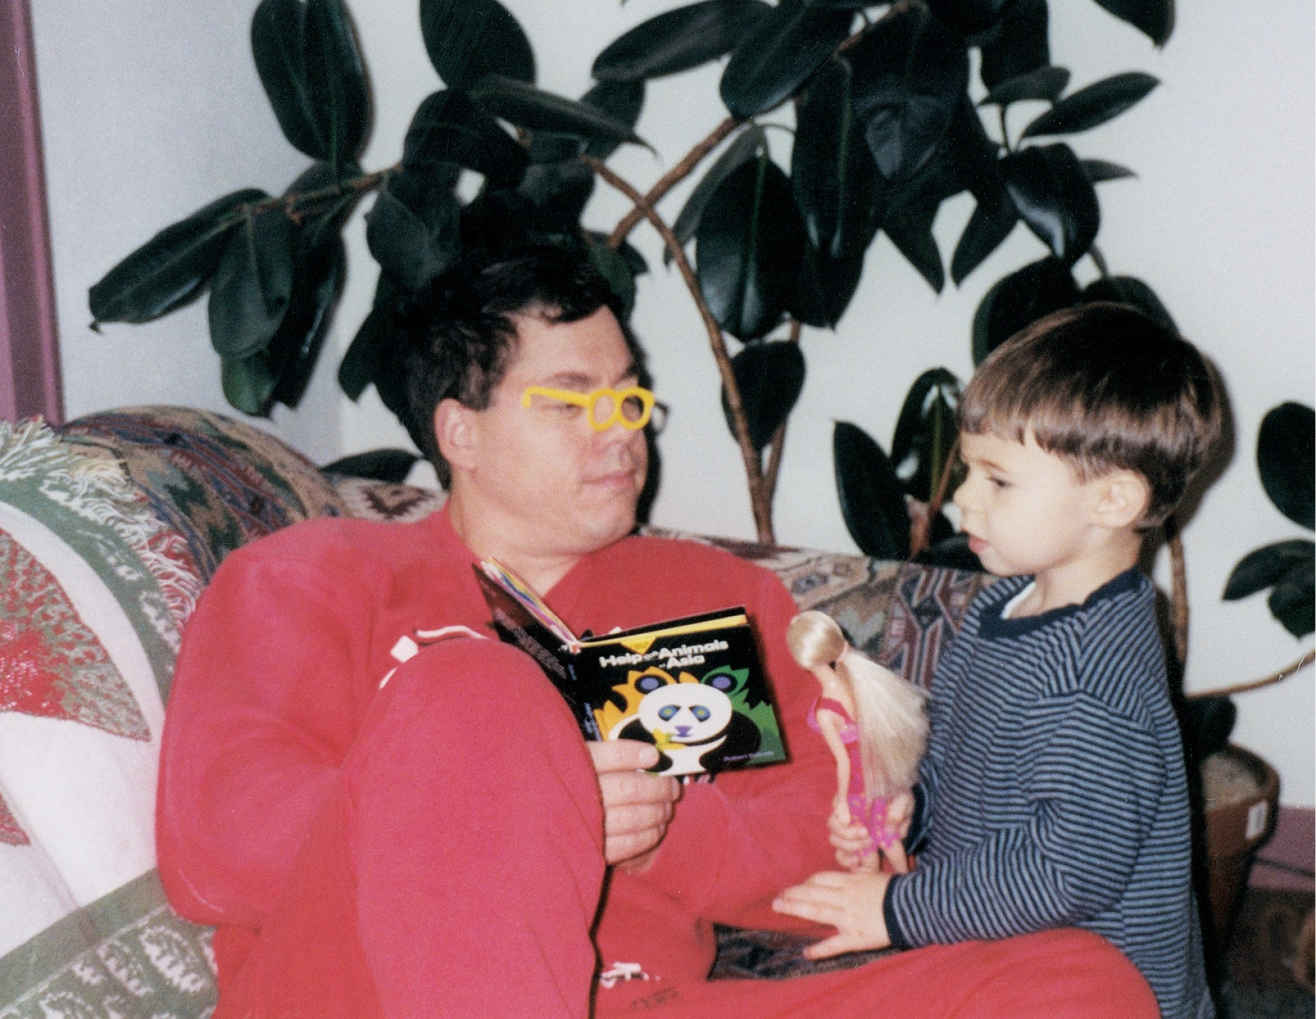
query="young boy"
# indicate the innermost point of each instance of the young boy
(1053, 791)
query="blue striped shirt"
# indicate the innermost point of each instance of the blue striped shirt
(1054, 789)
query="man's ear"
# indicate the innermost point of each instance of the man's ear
(455, 431)
(1122, 498)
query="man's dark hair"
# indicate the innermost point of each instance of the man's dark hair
(1103, 387)
(460, 335)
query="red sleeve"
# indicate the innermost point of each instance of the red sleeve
(737, 841)
(259, 721)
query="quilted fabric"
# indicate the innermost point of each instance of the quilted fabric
(216, 482)
(94, 592)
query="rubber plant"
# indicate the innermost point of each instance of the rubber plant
(885, 128)
(1286, 464)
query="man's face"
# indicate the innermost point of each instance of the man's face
(543, 480)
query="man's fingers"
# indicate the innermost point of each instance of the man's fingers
(622, 755)
(633, 818)
(630, 788)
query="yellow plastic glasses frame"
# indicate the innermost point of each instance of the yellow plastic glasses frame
(631, 407)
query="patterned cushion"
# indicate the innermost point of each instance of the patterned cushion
(215, 481)
(95, 590)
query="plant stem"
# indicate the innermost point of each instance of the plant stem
(1228, 691)
(666, 182)
(760, 501)
(1178, 590)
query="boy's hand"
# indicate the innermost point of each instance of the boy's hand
(852, 903)
(637, 806)
(850, 839)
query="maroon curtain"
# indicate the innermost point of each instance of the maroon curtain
(29, 346)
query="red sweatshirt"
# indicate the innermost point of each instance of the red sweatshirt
(283, 659)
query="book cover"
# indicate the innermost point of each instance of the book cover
(694, 686)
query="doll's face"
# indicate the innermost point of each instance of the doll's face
(686, 712)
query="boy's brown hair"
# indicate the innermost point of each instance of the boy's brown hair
(1103, 387)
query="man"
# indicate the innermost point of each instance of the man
(379, 825)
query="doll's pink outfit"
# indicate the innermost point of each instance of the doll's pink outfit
(870, 812)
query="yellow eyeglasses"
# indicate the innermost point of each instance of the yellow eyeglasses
(632, 407)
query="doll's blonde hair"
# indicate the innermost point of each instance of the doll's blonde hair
(893, 728)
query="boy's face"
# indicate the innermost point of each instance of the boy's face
(1024, 509)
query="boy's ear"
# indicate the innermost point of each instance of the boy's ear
(455, 433)
(1122, 499)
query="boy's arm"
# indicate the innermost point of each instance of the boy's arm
(1086, 782)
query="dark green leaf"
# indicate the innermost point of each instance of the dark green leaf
(1128, 290)
(336, 80)
(312, 72)
(617, 269)
(172, 267)
(832, 171)
(992, 221)
(825, 285)
(248, 383)
(278, 47)
(448, 128)
(1054, 197)
(1293, 600)
(413, 232)
(750, 143)
(387, 465)
(558, 192)
(1018, 299)
(1044, 83)
(778, 55)
(968, 17)
(871, 496)
(1018, 44)
(910, 230)
(1284, 460)
(769, 377)
(620, 100)
(532, 108)
(678, 40)
(1097, 170)
(467, 39)
(361, 364)
(252, 285)
(317, 285)
(748, 248)
(1155, 18)
(908, 82)
(1096, 104)
(1266, 566)
(925, 432)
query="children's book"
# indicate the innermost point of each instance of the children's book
(694, 687)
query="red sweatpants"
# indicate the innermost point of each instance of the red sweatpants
(457, 868)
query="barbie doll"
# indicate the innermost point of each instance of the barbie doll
(874, 724)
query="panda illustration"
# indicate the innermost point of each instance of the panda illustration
(693, 724)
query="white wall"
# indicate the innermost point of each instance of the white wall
(153, 108)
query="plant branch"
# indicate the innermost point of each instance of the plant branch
(1256, 684)
(760, 502)
(1178, 590)
(666, 182)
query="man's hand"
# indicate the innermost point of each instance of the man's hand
(636, 805)
(852, 903)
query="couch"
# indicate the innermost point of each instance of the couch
(109, 529)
